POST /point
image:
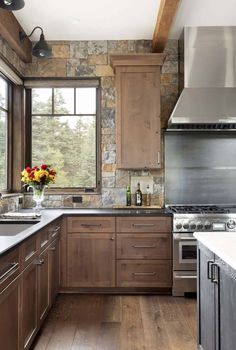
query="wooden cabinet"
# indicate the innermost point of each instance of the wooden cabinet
(91, 260)
(10, 317)
(138, 127)
(43, 285)
(29, 304)
(144, 252)
(54, 270)
(216, 300)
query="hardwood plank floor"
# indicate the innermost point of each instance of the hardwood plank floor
(111, 322)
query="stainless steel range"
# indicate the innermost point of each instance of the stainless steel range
(186, 220)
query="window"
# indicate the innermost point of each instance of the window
(4, 131)
(64, 123)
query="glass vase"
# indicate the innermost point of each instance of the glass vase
(38, 196)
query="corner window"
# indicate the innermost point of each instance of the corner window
(4, 132)
(65, 129)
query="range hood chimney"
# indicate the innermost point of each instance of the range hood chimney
(207, 79)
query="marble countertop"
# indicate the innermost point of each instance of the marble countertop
(223, 244)
(49, 215)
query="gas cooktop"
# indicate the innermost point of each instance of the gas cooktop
(200, 209)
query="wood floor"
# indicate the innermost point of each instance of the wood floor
(104, 322)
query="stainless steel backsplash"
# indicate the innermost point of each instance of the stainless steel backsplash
(200, 168)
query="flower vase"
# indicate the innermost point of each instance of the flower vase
(38, 196)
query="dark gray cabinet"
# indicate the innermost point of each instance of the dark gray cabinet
(216, 302)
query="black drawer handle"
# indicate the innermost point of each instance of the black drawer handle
(12, 268)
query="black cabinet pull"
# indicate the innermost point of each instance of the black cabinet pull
(209, 270)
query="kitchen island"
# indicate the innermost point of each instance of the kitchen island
(216, 290)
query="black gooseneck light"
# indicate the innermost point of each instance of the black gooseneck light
(41, 49)
(12, 5)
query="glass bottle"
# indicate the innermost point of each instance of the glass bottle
(128, 196)
(138, 196)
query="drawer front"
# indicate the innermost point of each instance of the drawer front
(44, 238)
(29, 250)
(143, 246)
(144, 224)
(10, 267)
(94, 224)
(144, 273)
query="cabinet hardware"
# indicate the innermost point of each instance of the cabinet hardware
(144, 246)
(143, 225)
(112, 238)
(52, 249)
(40, 262)
(144, 273)
(184, 277)
(158, 157)
(209, 270)
(30, 255)
(12, 268)
(44, 243)
(91, 225)
(55, 231)
(215, 273)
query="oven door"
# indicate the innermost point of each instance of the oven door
(184, 252)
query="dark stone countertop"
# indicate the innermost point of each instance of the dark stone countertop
(8, 241)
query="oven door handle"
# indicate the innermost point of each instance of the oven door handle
(177, 237)
(180, 277)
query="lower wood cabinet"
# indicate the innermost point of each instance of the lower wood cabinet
(54, 270)
(29, 304)
(43, 285)
(10, 316)
(91, 260)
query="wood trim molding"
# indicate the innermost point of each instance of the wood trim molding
(166, 13)
(147, 59)
(9, 30)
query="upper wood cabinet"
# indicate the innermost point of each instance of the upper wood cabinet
(138, 126)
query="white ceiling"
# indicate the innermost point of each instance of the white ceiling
(203, 13)
(117, 19)
(90, 19)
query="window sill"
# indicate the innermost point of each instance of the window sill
(67, 193)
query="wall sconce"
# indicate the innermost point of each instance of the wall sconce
(41, 49)
(12, 5)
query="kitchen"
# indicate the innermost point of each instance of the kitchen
(110, 104)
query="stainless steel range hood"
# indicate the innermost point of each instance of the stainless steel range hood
(208, 78)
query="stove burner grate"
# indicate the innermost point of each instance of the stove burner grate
(198, 209)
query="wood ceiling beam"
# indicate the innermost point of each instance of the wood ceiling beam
(166, 13)
(9, 30)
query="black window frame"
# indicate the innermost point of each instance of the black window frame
(28, 132)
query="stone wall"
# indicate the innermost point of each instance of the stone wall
(91, 59)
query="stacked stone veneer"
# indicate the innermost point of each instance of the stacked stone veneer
(92, 59)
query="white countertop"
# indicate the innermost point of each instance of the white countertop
(223, 244)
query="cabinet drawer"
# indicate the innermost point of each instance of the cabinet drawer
(144, 273)
(144, 246)
(95, 224)
(10, 267)
(29, 250)
(144, 224)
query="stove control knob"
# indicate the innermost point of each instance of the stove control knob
(178, 226)
(186, 226)
(231, 224)
(193, 226)
(207, 225)
(199, 226)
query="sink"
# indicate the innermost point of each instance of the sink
(13, 229)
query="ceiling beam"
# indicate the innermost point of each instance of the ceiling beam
(166, 13)
(9, 30)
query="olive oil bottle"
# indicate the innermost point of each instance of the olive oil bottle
(138, 196)
(128, 196)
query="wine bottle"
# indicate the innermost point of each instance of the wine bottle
(128, 196)
(138, 196)
(148, 198)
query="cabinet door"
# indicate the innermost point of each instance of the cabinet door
(43, 285)
(29, 296)
(226, 306)
(138, 117)
(91, 260)
(10, 316)
(54, 270)
(206, 301)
